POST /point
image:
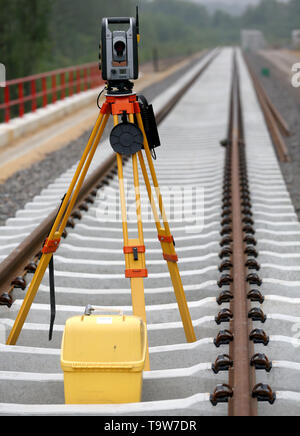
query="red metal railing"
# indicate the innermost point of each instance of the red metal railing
(27, 94)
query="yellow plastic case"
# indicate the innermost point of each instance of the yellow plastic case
(103, 358)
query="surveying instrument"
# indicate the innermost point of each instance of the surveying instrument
(134, 134)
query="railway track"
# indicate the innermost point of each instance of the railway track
(238, 240)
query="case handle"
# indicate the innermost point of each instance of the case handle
(118, 20)
(90, 309)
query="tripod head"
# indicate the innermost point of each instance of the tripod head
(119, 87)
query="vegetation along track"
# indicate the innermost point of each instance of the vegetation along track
(238, 243)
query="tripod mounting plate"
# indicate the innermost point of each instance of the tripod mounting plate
(119, 88)
(126, 139)
(119, 94)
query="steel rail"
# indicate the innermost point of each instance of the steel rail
(282, 124)
(239, 257)
(273, 119)
(12, 273)
(237, 230)
(241, 376)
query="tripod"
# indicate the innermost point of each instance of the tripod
(123, 103)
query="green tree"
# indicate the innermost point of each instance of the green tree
(40, 35)
(76, 28)
(24, 27)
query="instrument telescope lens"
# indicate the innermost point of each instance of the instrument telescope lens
(120, 48)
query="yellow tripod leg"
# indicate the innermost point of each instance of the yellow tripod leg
(84, 173)
(136, 283)
(138, 300)
(77, 174)
(167, 247)
(45, 259)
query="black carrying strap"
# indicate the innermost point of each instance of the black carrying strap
(52, 298)
(52, 286)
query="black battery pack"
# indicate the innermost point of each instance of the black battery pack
(149, 122)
